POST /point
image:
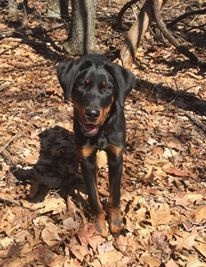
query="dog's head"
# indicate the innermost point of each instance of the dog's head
(94, 85)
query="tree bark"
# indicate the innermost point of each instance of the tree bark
(53, 9)
(57, 9)
(137, 32)
(12, 8)
(81, 39)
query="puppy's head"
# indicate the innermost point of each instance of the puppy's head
(94, 85)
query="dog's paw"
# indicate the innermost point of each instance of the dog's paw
(101, 224)
(115, 221)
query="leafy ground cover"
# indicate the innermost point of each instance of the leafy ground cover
(44, 212)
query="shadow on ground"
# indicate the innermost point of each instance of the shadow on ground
(56, 168)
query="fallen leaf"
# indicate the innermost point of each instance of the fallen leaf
(87, 233)
(127, 245)
(105, 247)
(50, 234)
(199, 214)
(201, 247)
(50, 204)
(101, 159)
(70, 224)
(171, 263)
(175, 171)
(170, 153)
(193, 261)
(160, 215)
(110, 258)
(148, 260)
(6, 242)
(79, 251)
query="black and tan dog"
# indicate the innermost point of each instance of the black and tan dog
(98, 90)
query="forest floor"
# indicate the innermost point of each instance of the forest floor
(44, 212)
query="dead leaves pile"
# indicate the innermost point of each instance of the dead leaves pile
(45, 219)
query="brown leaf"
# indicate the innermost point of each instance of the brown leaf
(88, 235)
(148, 260)
(70, 224)
(160, 215)
(110, 258)
(50, 234)
(173, 142)
(201, 247)
(127, 245)
(105, 247)
(79, 251)
(175, 171)
(159, 240)
(171, 263)
(200, 214)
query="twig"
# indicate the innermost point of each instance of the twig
(8, 200)
(196, 27)
(196, 121)
(8, 143)
(22, 32)
(185, 15)
(180, 48)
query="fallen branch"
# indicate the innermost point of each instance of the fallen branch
(196, 121)
(27, 32)
(137, 32)
(180, 48)
(122, 11)
(186, 15)
(8, 143)
(11, 201)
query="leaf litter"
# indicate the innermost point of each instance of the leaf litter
(44, 211)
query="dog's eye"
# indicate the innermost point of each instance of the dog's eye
(84, 84)
(105, 87)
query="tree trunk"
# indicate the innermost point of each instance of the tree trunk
(12, 8)
(137, 31)
(81, 39)
(54, 9)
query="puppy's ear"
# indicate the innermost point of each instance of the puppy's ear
(66, 73)
(125, 81)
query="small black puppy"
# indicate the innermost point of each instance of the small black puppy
(98, 90)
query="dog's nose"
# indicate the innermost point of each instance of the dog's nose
(92, 113)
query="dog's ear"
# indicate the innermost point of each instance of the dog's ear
(125, 81)
(66, 73)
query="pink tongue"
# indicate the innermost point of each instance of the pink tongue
(89, 127)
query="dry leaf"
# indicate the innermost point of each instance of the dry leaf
(110, 258)
(70, 224)
(193, 261)
(175, 171)
(148, 260)
(87, 233)
(201, 248)
(127, 245)
(160, 215)
(6, 242)
(199, 214)
(50, 234)
(101, 159)
(171, 263)
(79, 251)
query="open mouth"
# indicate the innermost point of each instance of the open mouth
(90, 129)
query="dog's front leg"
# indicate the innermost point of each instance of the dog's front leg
(88, 165)
(115, 163)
